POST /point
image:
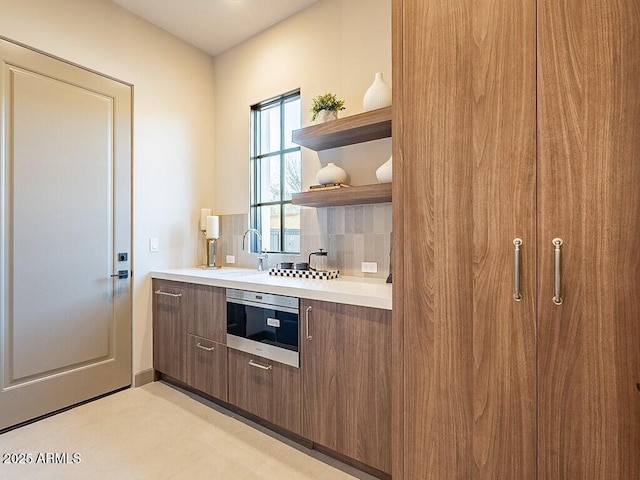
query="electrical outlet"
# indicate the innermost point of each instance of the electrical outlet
(231, 259)
(370, 267)
(154, 245)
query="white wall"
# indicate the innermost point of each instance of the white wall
(173, 125)
(334, 45)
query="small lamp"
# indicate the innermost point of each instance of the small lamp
(210, 228)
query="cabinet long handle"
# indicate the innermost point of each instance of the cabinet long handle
(307, 314)
(517, 243)
(257, 365)
(167, 294)
(557, 297)
(208, 349)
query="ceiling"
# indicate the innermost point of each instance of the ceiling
(214, 25)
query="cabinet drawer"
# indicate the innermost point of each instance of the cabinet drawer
(267, 389)
(207, 366)
(207, 316)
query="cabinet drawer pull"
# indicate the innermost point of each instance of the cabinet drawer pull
(306, 322)
(257, 365)
(557, 297)
(208, 349)
(517, 295)
(167, 294)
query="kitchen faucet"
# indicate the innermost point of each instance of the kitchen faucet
(263, 255)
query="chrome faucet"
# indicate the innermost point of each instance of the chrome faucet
(263, 255)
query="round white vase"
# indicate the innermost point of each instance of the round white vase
(331, 174)
(384, 173)
(378, 95)
(326, 115)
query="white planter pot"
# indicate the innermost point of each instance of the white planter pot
(326, 115)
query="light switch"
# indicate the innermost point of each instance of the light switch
(154, 244)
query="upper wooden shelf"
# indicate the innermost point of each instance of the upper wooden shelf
(359, 128)
(356, 195)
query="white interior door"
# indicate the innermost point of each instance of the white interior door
(66, 216)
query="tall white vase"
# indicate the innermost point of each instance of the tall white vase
(384, 173)
(378, 95)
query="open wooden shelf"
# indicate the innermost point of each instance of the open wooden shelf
(359, 128)
(356, 195)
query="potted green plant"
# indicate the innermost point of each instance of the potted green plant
(325, 107)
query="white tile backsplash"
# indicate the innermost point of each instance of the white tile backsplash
(351, 234)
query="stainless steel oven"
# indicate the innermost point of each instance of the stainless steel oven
(264, 324)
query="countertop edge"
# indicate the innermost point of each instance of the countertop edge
(189, 276)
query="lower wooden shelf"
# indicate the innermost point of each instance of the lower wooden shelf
(356, 195)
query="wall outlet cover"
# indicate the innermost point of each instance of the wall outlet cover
(231, 259)
(370, 267)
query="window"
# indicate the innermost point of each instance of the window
(275, 174)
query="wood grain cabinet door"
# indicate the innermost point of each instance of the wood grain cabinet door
(516, 119)
(464, 132)
(208, 313)
(346, 369)
(267, 389)
(589, 196)
(170, 305)
(207, 366)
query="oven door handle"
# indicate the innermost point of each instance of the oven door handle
(263, 306)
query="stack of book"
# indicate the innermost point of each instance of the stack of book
(329, 186)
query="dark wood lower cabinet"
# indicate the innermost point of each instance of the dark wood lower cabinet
(340, 397)
(207, 366)
(170, 301)
(346, 367)
(207, 316)
(267, 389)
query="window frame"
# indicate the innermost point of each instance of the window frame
(255, 220)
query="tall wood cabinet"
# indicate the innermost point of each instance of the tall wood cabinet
(589, 195)
(516, 119)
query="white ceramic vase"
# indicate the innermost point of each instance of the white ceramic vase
(331, 174)
(384, 173)
(378, 95)
(326, 115)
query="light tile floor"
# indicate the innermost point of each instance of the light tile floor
(161, 432)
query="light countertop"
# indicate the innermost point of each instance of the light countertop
(366, 292)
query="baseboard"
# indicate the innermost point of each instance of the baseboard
(144, 377)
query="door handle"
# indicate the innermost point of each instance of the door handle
(557, 297)
(257, 365)
(122, 274)
(517, 296)
(208, 349)
(167, 294)
(306, 322)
